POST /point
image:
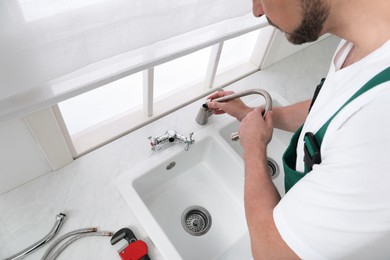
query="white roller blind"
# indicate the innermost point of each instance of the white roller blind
(54, 49)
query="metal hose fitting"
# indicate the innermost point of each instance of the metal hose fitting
(77, 237)
(61, 238)
(60, 218)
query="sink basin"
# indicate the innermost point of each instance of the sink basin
(190, 203)
(275, 150)
(207, 176)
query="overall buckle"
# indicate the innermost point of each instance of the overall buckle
(312, 151)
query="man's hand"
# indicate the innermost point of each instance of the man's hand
(256, 132)
(235, 107)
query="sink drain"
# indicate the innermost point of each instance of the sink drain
(196, 220)
(273, 168)
(170, 166)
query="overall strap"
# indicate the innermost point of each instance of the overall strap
(313, 142)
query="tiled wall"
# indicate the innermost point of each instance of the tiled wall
(21, 159)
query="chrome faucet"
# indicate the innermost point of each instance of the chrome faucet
(170, 136)
(204, 112)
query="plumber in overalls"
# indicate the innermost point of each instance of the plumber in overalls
(337, 166)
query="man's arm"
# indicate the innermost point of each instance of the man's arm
(290, 118)
(261, 196)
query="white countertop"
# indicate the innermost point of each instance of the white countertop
(86, 191)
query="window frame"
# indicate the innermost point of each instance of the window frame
(118, 126)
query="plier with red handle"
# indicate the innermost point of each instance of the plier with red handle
(129, 247)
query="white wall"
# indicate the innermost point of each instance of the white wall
(281, 48)
(21, 158)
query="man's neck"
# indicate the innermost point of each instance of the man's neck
(364, 23)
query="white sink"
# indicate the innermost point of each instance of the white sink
(275, 150)
(210, 176)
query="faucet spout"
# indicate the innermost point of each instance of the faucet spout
(204, 112)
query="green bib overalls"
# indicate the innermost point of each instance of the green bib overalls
(313, 142)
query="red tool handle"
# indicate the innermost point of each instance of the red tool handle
(134, 251)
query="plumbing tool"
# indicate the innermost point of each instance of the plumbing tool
(129, 247)
(60, 218)
(74, 238)
(76, 234)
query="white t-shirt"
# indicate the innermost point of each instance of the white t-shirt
(341, 209)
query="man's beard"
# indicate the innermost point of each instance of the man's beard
(315, 13)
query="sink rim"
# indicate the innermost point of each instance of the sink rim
(140, 208)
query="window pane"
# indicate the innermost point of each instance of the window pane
(96, 106)
(179, 73)
(237, 51)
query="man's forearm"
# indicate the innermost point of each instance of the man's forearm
(290, 118)
(261, 197)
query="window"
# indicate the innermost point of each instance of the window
(98, 116)
(180, 73)
(237, 51)
(101, 104)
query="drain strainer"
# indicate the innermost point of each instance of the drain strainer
(273, 168)
(196, 220)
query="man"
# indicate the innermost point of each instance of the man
(340, 207)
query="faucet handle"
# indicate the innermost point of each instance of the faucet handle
(189, 141)
(154, 143)
(170, 136)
